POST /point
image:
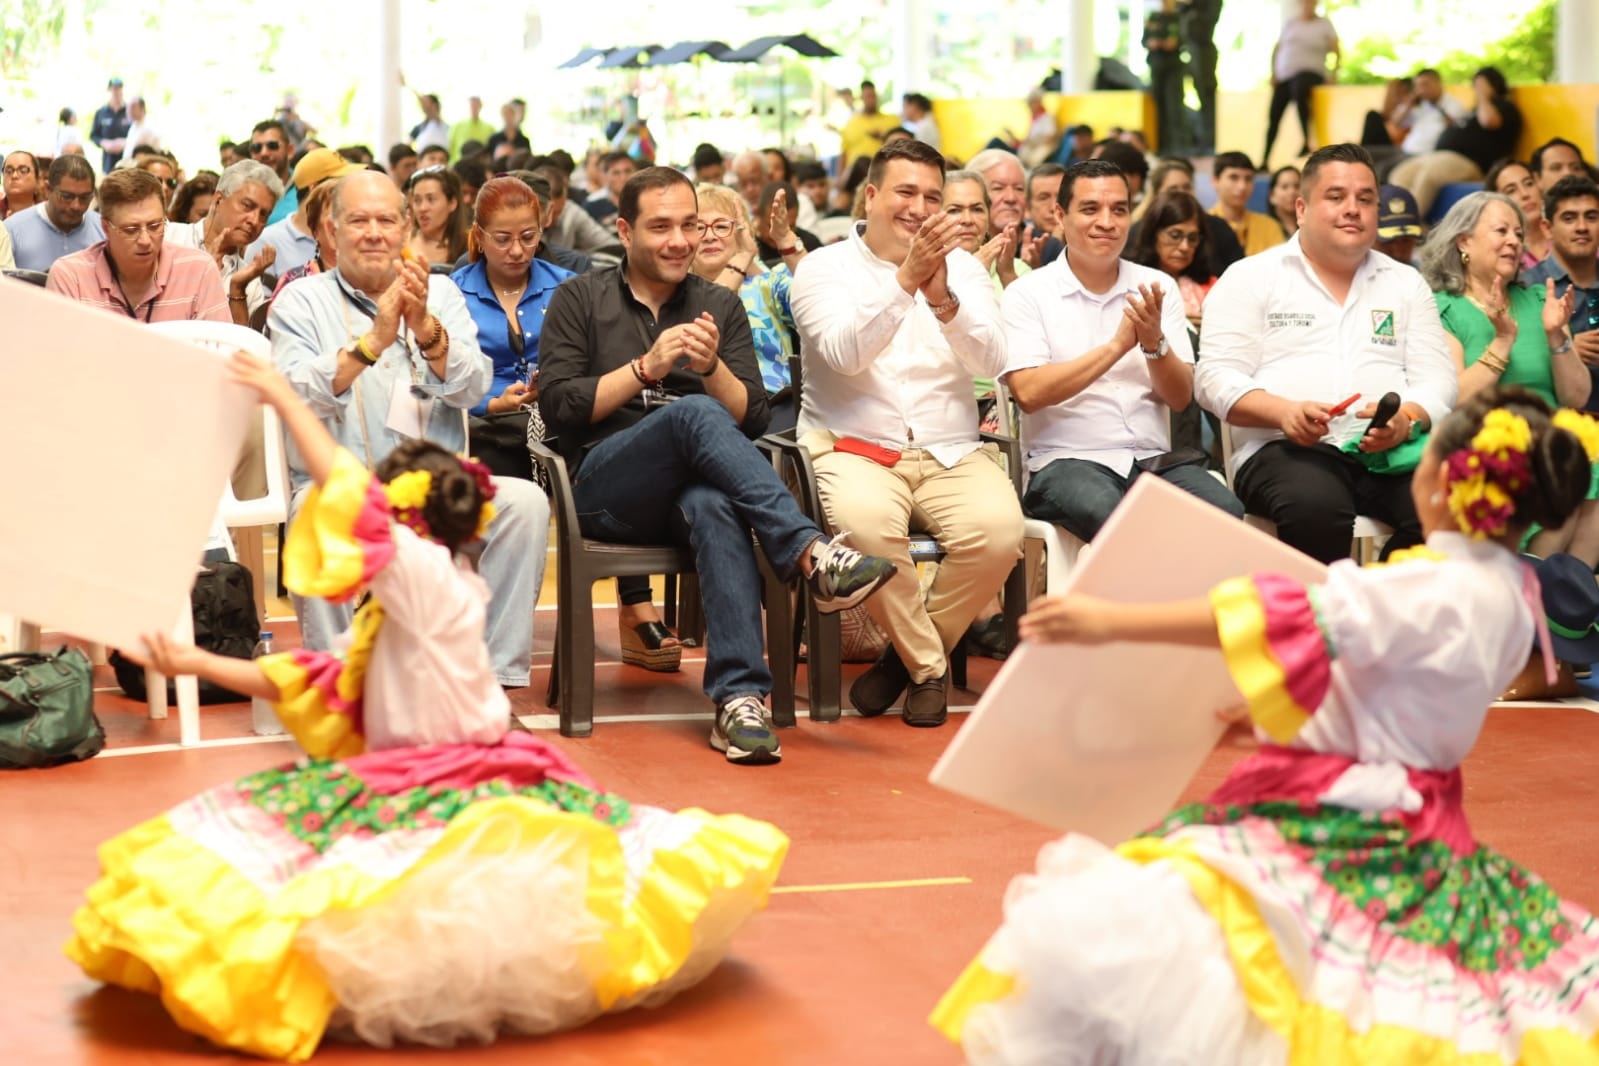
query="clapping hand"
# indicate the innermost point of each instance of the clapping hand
(412, 278)
(991, 252)
(1557, 309)
(257, 266)
(778, 233)
(1031, 245)
(1143, 311)
(937, 237)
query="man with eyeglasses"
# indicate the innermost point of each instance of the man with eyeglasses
(649, 381)
(384, 352)
(244, 198)
(63, 224)
(132, 272)
(1099, 358)
(269, 144)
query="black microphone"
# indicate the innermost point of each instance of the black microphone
(1387, 407)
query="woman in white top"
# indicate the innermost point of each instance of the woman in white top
(67, 132)
(1298, 65)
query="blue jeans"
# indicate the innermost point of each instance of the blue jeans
(1079, 495)
(512, 565)
(687, 475)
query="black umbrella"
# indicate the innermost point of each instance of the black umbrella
(584, 56)
(629, 57)
(757, 48)
(687, 50)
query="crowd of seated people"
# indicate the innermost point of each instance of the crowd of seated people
(1123, 316)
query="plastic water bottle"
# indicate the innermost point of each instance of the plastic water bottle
(263, 718)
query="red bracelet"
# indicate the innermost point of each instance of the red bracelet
(638, 372)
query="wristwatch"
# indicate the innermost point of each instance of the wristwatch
(1160, 349)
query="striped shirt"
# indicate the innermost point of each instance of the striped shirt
(187, 285)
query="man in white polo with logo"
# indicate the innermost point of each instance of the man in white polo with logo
(1099, 358)
(1292, 333)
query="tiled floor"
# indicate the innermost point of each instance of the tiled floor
(891, 884)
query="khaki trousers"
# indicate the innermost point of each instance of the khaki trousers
(970, 507)
(1426, 175)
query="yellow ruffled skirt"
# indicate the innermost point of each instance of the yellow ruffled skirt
(270, 912)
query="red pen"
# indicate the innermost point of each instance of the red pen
(1341, 408)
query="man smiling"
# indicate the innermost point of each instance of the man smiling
(895, 323)
(1292, 332)
(647, 374)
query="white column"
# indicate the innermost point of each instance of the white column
(388, 84)
(1078, 62)
(1576, 34)
(911, 69)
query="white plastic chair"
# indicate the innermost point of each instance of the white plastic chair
(1370, 534)
(269, 510)
(1061, 548)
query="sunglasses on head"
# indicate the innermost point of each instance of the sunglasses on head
(257, 147)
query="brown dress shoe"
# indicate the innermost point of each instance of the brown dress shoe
(876, 690)
(927, 703)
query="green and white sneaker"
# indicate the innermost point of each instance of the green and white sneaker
(842, 577)
(744, 732)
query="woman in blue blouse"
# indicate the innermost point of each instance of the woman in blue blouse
(507, 291)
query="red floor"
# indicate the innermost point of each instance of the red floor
(835, 977)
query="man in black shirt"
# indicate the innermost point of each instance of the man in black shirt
(647, 376)
(1467, 151)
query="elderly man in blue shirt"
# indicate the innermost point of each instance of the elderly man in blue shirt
(385, 352)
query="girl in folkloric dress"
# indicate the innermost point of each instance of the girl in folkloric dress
(425, 874)
(1328, 904)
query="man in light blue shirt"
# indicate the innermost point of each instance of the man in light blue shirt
(61, 225)
(384, 352)
(292, 237)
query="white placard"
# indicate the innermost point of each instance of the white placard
(117, 442)
(1102, 740)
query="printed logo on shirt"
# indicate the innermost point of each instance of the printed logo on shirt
(1289, 319)
(1382, 328)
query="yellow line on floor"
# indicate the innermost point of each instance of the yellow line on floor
(867, 886)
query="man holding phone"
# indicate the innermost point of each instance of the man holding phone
(1291, 332)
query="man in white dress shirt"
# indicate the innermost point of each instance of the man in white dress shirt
(1099, 358)
(895, 322)
(1291, 333)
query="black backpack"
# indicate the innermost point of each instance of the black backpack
(225, 622)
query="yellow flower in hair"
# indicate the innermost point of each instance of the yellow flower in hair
(484, 517)
(409, 491)
(1580, 425)
(1503, 433)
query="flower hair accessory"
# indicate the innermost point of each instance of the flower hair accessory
(485, 487)
(1484, 477)
(408, 495)
(1579, 425)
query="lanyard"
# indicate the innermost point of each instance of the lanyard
(127, 308)
(423, 419)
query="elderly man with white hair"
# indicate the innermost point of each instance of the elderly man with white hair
(246, 194)
(1007, 194)
(749, 175)
(384, 352)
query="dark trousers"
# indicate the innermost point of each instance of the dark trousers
(687, 475)
(1079, 495)
(1296, 89)
(1171, 117)
(1314, 494)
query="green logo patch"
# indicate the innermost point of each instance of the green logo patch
(1382, 323)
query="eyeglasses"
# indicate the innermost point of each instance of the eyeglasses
(721, 229)
(1177, 236)
(503, 241)
(132, 232)
(257, 147)
(65, 197)
(171, 183)
(21, 168)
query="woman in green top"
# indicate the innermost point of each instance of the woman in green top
(1501, 332)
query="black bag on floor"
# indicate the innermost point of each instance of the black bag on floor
(47, 710)
(225, 622)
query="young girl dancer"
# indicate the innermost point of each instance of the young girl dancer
(425, 874)
(1328, 904)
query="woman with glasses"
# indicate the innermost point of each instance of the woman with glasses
(727, 257)
(1172, 239)
(438, 224)
(24, 183)
(507, 290)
